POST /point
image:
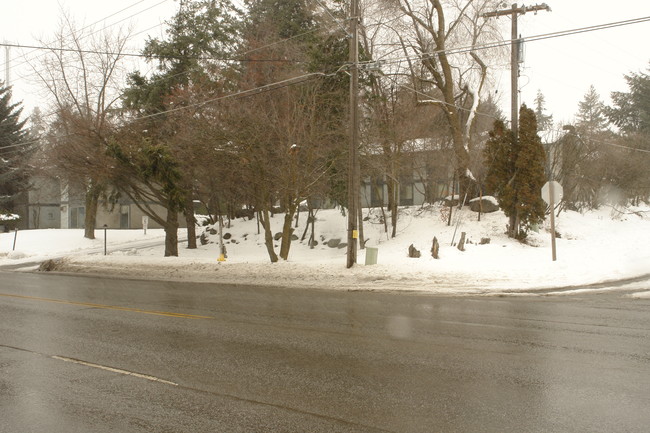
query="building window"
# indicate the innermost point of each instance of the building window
(77, 217)
(406, 192)
(124, 216)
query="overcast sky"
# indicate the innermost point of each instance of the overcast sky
(562, 68)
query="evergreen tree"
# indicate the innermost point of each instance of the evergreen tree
(148, 173)
(581, 153)
(531, 161)
(544, 121)
(192, 63)
(631, 114)
(13, 153)
(290, 18)
(591, 113)
(516, 172)
(200, 39)
(631, 110)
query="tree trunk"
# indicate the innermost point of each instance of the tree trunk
(92, 202)
(461, 242)
(451, 201)
(287, 232)
(381, 207)
(309, 217)
(222, 247)
(190, 221)
(511, 226)
(518, 224)
(171, 233)
(362, 241)
(392, 187)
(393, 219)
(480, 203)
(264, 219)
(312, 236)
(383, 217)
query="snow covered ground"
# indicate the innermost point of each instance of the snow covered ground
(594, 247)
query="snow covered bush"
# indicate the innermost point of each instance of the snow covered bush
(8, 220)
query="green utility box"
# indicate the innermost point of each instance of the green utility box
(371, 256)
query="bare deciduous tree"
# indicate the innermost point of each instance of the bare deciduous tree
(82, 74)
(440, 39)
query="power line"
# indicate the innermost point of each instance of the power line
(105, 18)
(399, 59)
(83, 36)
(123, 54)
(245, 93)
(534, 38)
(139, 55)
(189, 70)
(507, 42)
(441, 102)
(607, 143)
(162, 78)
(238, 95)
(96, 22)
(327, 10)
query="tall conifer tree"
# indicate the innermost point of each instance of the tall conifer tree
(591, 118)
(631, 110)
(544, 121)
(13, 154)
(516, 172)
(191, 61)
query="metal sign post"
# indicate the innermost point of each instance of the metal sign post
(551, 203)
(552, 193)
(105, 229)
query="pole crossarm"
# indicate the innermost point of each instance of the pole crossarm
(517, 10)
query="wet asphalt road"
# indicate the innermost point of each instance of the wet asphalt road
(83, 354)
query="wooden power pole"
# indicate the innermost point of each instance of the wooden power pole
(515, 44)
(353, 176)
(7, 67)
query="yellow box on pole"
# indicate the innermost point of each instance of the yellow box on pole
(221, 258)
(355, 234)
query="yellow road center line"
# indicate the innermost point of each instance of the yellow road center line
(108, 307)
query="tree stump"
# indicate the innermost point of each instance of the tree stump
(414, 252)
(435, 248)
(461, 242)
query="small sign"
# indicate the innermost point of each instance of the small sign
(558, 192)
(145, 223)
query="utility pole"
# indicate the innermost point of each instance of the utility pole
(7, 66)
(353, 182)
(515, 44)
